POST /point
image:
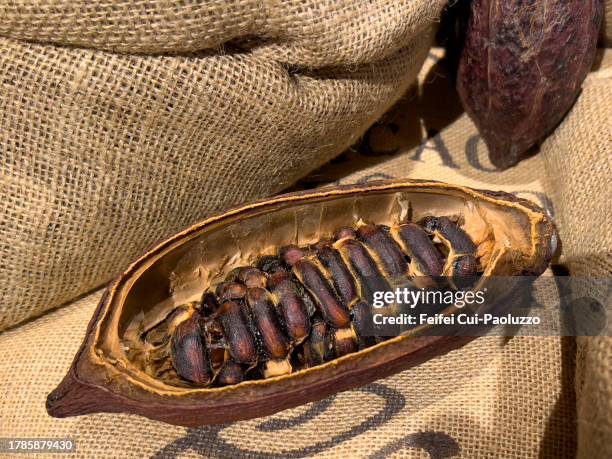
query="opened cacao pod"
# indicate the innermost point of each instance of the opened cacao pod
(263, 308)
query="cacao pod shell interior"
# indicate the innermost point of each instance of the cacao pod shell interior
(514, 236)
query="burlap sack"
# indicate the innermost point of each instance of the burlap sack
(104, 153)
(507, 398)
(296, 32)
(490, 399)
(579, 154)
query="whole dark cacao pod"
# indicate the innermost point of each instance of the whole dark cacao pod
(263, 308)
(521, 68)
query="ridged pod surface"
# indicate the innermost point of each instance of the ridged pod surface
(521, 68)
(263, 307)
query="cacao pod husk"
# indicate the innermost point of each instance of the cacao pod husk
(521, 68)
(117, 370)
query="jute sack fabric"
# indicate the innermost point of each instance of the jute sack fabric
(102, 153)
(299, 32)
(495, 397)
(580, 151)
(490, 399)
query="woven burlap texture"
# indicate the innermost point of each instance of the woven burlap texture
(496, 397)
(154, 26)
(300, 32)
(579, 153)
(103, 154)
(489, 399)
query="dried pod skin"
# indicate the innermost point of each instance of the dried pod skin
(345, 232)
(157, 347)
(215, 341)
(340, 274)
(367, 272)
(230, 374)
(267, 323)
(236, 329)
(331, 309)
(291, 254)
(209, 303)
(320, 245)
(187, 351)
(318, 348)
(447, 230)
(345, 341)
(521, 68)
(425, 260)
(362, 316)
(463, 271)
(270, 264)
(385, 249)
(216, 355)
(291, 305)
(252, 277)
(228, 291)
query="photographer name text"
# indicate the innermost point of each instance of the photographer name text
(454, 319)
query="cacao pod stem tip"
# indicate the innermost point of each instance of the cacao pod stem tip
(73, 397)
